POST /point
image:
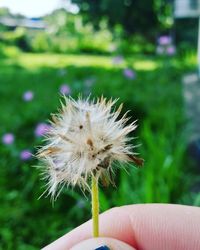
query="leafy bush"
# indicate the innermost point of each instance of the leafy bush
(136, 44)
(68, 33)
(16, 37)
(82, 39)
(2, 53)
(8, 51)
(40, 43)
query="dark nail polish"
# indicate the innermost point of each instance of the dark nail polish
(102, 248)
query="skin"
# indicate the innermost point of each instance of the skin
(92, 244)
(142, 227)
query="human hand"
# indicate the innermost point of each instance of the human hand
(148, 226)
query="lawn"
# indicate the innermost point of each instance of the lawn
(153, 95)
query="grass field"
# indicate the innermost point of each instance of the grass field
(153, 96)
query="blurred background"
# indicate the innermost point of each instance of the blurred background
(143, 52)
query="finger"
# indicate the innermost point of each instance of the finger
(114, 223)
(150, 226)
(102, 243)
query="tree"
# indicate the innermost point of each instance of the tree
(135, 16)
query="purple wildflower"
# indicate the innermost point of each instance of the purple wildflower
(28, 96)
(65, 89)
(118, 60)
(8, 139)
(129, 73)
(171, 50)
(164, 40)
(41, 129)
(25, 155)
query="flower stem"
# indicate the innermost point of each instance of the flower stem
(95, 206)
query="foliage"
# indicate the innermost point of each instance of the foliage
(102, 27)
(2, 53)
(153, 96)
(128, 14)
(187, 34)
(16, 37)
(68, 33)
(4, 12)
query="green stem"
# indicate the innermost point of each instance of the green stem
(95, 206)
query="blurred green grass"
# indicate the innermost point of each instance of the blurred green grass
(154, 97)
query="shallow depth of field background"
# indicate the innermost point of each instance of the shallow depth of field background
(131, 50)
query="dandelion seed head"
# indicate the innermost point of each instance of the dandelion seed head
(85, 138)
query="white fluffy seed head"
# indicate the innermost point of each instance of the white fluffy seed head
(85, 138)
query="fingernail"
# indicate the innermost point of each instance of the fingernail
(102, 248)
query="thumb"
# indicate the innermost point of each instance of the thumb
(102, 244)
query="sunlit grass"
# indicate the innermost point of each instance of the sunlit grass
(28, 60)
(145, 65)
(33, 61)
(191, 58)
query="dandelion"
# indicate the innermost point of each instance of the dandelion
(41, 129)
(129, 73)
(28, 96)
(84, 141)
(25, 155)
(65, 89)
(8, 138)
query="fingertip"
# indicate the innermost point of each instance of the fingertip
(102, 244)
